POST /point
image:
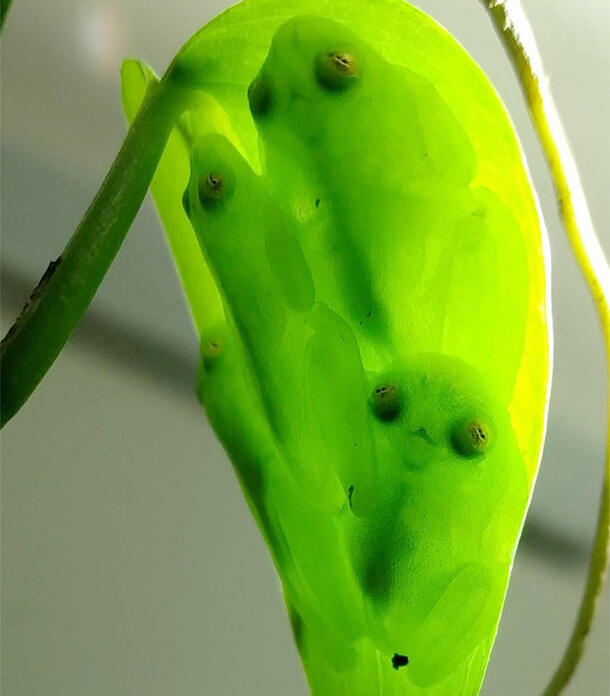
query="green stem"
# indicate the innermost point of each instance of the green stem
(69, 284)
(4, 5)
(517, 36)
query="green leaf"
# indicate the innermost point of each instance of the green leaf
(451, 312)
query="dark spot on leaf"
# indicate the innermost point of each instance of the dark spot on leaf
(350, 493)
(399, 661)
(46, 277)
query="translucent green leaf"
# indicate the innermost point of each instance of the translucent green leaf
(361, 200)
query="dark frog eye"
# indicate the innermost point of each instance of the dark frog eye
(386, 401)
(337, 70)
(211, 352)
(213, 346)
(471, 437)
(212, 349)
(215, 187)
(260, 96)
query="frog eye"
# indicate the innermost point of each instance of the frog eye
(260, 96)
(471, 438)
(214, 188)
(336, 70)
(386, 401)
(211, 351)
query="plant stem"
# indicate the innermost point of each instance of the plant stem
(69, 284)
(516, 34)
(4, 5)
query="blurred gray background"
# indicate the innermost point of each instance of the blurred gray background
(130, 562)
